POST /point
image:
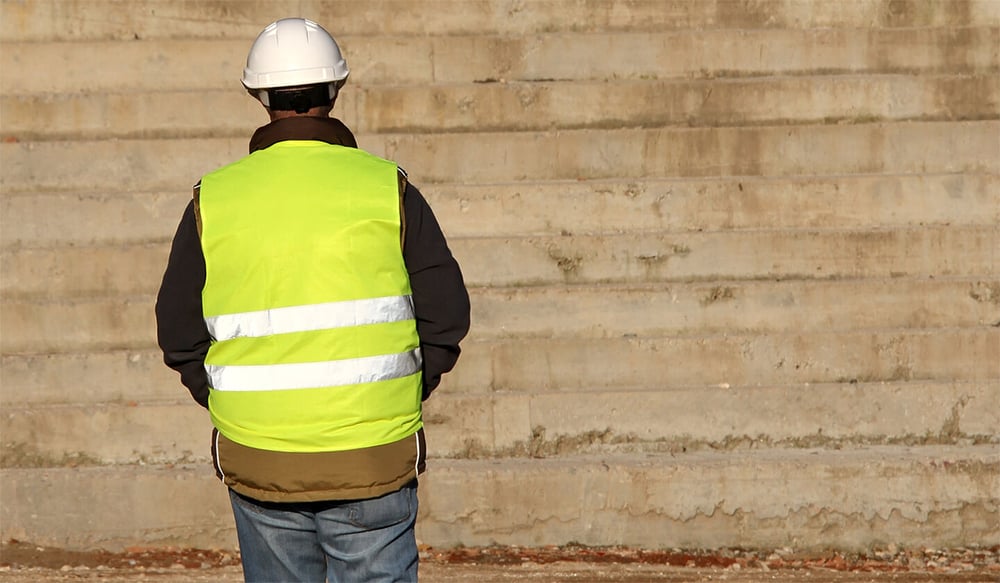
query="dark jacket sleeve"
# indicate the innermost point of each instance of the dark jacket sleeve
(440, 299)
(180, 325)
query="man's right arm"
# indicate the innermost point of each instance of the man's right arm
(440, 298)
(180, 325)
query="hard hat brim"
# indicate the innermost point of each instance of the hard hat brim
(297, 78)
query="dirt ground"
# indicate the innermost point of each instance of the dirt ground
(22, 562)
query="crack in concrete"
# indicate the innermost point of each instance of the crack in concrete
(541, 445)
(601, 441)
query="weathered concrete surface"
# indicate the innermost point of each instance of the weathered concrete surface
(572, 364)
(519, 106)
(42, 20)
(733, 307)
(782, 254)
(634, 205)
(829, 99)
(723, 234)
(719, 203)
(191, 64)
(118, 433)
(739, 360)
(535, 424)
(681, 419)
(857, 497)
(967, 252)
(773, 497)
(72, 323)
(124, 376)
(113, 507)
(764, 151)
(918, 147)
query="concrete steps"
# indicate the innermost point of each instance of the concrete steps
(771, 499)
(639, 258)
(194, 64)
(47, 20)
(635, 205)
(734, 264)
(582, 311)
(918, 147)
(762, 498)
(737, 359)
(124, 376)
(568, 363)
(538, 424)
(520, 106)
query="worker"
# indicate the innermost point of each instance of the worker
(311, 303)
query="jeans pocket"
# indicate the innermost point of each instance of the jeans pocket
(384, 511)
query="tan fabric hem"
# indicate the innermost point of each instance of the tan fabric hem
(359, 474)
(319, 495)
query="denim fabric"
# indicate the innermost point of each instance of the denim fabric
(354, 541)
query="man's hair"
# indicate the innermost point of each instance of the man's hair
(299, 99)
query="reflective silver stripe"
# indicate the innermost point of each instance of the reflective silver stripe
(218, 457)
(310, 317)
(416, 464)
(309, 375)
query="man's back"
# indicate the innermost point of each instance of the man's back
(311, 303)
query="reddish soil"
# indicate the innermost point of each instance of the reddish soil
(24, 562)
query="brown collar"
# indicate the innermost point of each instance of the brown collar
(323, 129)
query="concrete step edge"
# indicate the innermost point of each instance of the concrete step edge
(41, 20)
(460, 189)
(596, 311)
(543, 260)
(509, 425)
(510, 344)
(521, 106)
(836, 499)
(641, 121)
(767, 80)
(491, 58)
(896, 148)
(182, 399)
(244, 138)
(611, 234)
(584, 287)
(985, 329)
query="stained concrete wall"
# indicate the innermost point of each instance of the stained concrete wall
(734, 266)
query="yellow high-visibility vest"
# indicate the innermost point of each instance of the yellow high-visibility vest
(308, 301)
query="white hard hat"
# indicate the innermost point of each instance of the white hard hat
(294, 52)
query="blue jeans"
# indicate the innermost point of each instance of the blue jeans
(352, 541)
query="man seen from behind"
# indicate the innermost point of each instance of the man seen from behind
(311, 303)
